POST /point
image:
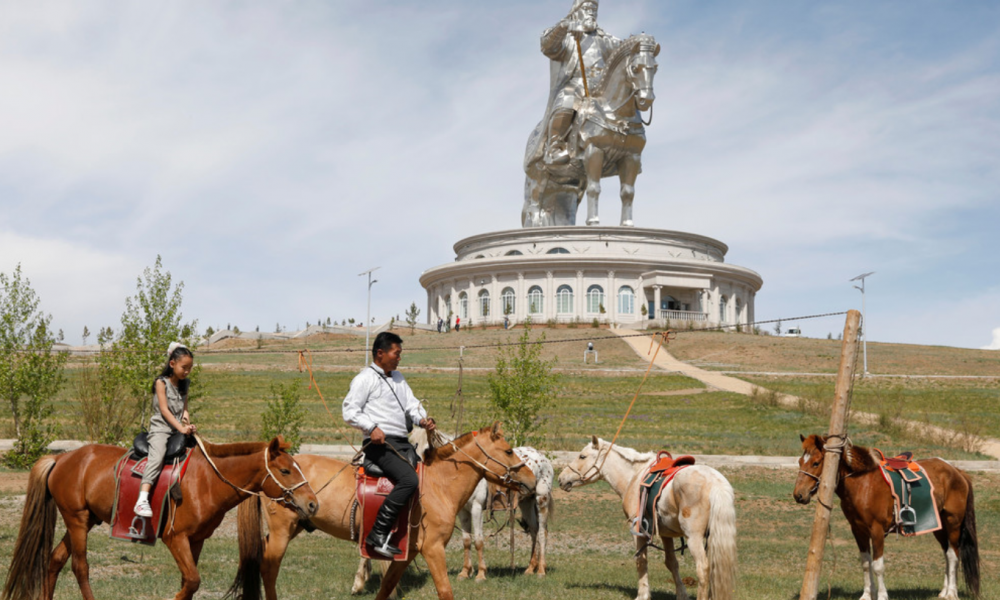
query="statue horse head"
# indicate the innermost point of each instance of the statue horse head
(628, 80)
(641, 69)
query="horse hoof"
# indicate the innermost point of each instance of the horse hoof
(594, 221)
(463, 575)
(628, 224)
(480, 578)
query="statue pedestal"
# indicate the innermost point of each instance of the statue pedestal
(567, 274)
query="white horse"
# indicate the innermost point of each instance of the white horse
(698, 500)
(536, 508)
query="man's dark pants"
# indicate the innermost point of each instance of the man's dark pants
(396, 469)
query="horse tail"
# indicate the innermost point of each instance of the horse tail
(721, 542)
(27, 578)
(247, 584)
(968, 544)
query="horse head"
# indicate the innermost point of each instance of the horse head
(285, 481)
(495, 449)
(641, 70)
(810, 467)
(584, 468)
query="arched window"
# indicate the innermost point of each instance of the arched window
(536, 300)
(514, 253)
(564, 299)
(463, 305)
(595, 298)
(723, 303)
(484, 303)
(626, 300)
(558, 251)
(507, 298)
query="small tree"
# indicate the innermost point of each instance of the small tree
(411, 317)
(521, 386)
(236, 329)
(777, 328)
(31, 374)
(644, 310)
(284, 415)
(131, 360)
(209, 332)
(86, 334)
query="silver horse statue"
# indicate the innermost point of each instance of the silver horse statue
(606, 139)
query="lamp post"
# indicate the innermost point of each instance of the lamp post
(368, 318)
(864, 319)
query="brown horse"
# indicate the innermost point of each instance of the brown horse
(81, 485)
(451, 473)
(868, 505)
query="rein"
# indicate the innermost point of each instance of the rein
(286, 492)
(505, 478)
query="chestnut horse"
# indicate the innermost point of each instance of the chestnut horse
(869, 507)
(81, 485)
(451, 473)
(697, 504)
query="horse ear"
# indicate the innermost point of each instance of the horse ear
(802, 437)
(497, 431)
(276, 446)
(819, 442)
(593, 440)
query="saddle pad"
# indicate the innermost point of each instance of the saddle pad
(371, 492)
(651, 487)
(917, 488)
(125, 525)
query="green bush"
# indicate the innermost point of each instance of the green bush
(521, 386)
(284, 414)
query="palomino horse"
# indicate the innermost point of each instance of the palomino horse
(869, 507)
(81, 485)
(607, 140)
(697, 504)
(451, 473)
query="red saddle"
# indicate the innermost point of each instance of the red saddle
(125, 524)
(901, 464)
(667, 463)
(371, 492)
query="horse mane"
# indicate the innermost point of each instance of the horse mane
(444, 452)
(858, 459)
(234, 449)
(620, 54)
(628, 453)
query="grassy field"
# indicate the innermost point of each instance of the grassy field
(590, 554)
(736, 352)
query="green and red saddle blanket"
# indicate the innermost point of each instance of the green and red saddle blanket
(125, 524)
(913, 493)
(660, 473)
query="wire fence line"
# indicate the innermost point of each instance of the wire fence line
(646, 333)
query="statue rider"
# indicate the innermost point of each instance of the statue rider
(577, 34)
(381, 404)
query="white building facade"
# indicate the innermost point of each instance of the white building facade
(567, 274)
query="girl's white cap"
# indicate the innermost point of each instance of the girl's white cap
(173, 346)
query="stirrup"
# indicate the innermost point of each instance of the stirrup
(907, 517)
(140, 532)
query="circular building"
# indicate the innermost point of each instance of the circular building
(625, 276)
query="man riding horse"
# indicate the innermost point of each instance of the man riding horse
(381, 404)
(576, 35)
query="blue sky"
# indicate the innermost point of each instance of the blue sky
(270, 151)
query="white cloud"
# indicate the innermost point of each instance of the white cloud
(995, 344)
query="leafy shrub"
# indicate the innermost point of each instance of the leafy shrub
(284, 415)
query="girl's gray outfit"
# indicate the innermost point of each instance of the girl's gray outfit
(160, 430)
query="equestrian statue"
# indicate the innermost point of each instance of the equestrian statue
(593, 125)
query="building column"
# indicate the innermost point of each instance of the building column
(579, 297)
(520, 299)
(611, 298)
(550, 297)
(656, 302)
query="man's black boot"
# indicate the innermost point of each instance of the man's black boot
(378, 539)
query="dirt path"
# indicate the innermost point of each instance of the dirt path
(718, 381)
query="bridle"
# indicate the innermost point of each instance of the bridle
(505, 479)
(815, 487)
(287, 493)
(593, 470)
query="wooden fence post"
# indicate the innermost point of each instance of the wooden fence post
(831, 462)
